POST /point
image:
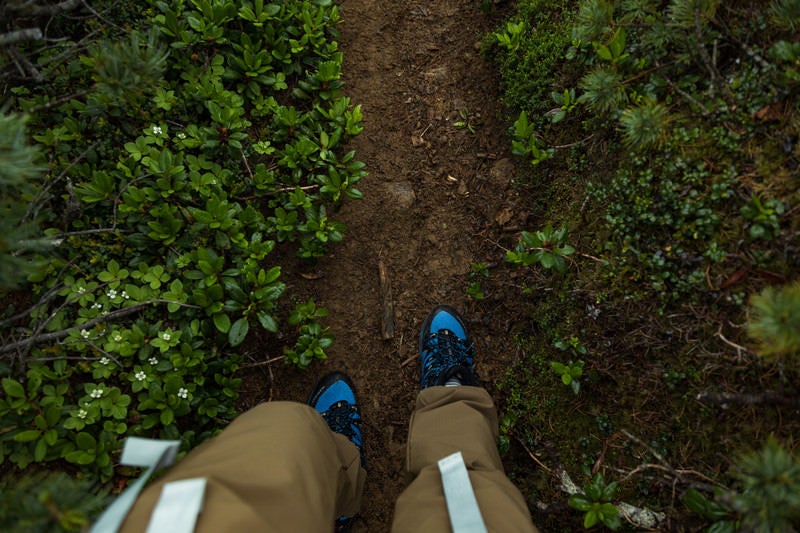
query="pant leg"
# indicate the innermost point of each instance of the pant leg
(276, 468)
(447, 420)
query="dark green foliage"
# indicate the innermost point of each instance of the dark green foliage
(786, 13)
(769, 499)
(183, 144)
(765, 499)
(645, 126)
(48, 503)
(595, 502)
(663, 216)
(20, 177)
(125, 73)
(775, 323)
(672, 160)
(529, 65)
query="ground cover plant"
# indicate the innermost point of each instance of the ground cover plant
(153, 157)
(669, 130)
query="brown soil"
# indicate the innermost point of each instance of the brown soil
(437, 198)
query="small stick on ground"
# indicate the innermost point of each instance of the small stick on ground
(387, 315)
(726, 399)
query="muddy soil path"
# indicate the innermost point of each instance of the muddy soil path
(434, 202)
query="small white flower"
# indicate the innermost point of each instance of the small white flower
(213, 181)
(141, 376)
(111, 293)
(181, 135)
(125, 295)
(81, 414)
(104, 360)
(153, 361)
(85, 333)
(118, 337)
(183, 393)
(81, 290)
(157, 130)
(165, 336)
(96, 393)
(97, 305)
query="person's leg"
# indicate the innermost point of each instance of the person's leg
(454, 418)
(277, 467)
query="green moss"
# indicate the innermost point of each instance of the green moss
(530, 73)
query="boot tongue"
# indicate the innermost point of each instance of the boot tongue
(459, 374)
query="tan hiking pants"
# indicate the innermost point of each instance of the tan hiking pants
(278, 468)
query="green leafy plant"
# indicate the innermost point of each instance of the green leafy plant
(566, 101)
(510, 38)
(545, 247)
(569, 373)
(479, 270)
(207, 132)
(763, 217)
(767, 497)
(720, 515)
(466, 121)
(595, 502)
(527, 143)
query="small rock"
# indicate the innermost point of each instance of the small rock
(401, 193)
(502, 173)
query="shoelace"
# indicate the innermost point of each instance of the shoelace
(342, 417)
(449, 351)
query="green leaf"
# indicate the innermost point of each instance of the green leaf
(617, 44)
(85, 441)
(238, 331)
(604, 52)
(40, 451)
(580, 502)
(27, 435)
(590, 519)
(267, 322)
(167, 416)
(13, 388)
(609, 491)
(548, 260)
(272, 274)
(609, 515)
(723, 527)
(222, 322)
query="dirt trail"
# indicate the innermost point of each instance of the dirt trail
(431, 201)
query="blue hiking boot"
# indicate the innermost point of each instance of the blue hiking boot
(334, 398)
(446, 352)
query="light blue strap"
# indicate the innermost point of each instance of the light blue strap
(178, 506)
(465, 516)
(146, 453)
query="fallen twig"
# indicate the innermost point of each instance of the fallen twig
(638, 516)
(58, 335)
(724, 399)
(27, 34)
(387, 314)
(267, 363)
